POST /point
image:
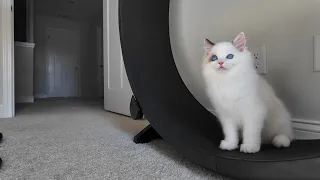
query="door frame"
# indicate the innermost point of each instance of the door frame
(7, 109)
(7, 106)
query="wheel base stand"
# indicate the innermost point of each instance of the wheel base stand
(146, 135)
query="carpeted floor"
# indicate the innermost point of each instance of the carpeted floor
(63, 139)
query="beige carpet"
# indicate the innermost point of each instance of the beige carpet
(64, 139)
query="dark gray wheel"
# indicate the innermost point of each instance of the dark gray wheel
(179, 118)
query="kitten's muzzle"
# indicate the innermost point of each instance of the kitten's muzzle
(221, 64)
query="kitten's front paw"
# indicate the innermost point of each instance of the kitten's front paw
(228, 145)
(250, 148)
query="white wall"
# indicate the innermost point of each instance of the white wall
(286, 27)
(30, 21)
(23, 66)
(88, 65)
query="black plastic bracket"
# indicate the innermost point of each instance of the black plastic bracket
(1, 137)
(135, 109)
(146, 135)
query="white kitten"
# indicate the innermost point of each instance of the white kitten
(244, 102)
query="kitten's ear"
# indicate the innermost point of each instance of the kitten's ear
(240, 42)
(208, 45)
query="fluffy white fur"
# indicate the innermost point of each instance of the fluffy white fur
(245, 103)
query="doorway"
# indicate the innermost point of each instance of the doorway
(56, 53)
(43, 68)
(63, 56)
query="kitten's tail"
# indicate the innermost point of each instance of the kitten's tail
(281, 141)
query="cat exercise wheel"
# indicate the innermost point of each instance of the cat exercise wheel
(179, 118)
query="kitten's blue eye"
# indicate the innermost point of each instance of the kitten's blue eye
(214, 58)
(230, 56)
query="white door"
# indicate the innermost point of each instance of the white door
(117, 91)
(62, 63)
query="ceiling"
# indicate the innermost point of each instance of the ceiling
(76, 10)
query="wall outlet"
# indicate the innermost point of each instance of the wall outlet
(259, 54)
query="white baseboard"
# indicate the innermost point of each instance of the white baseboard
(303, 129)
(24, 44)
(41, 96)
(24, 99)
(306, 129)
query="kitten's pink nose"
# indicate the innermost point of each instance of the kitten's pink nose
(220, 63)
